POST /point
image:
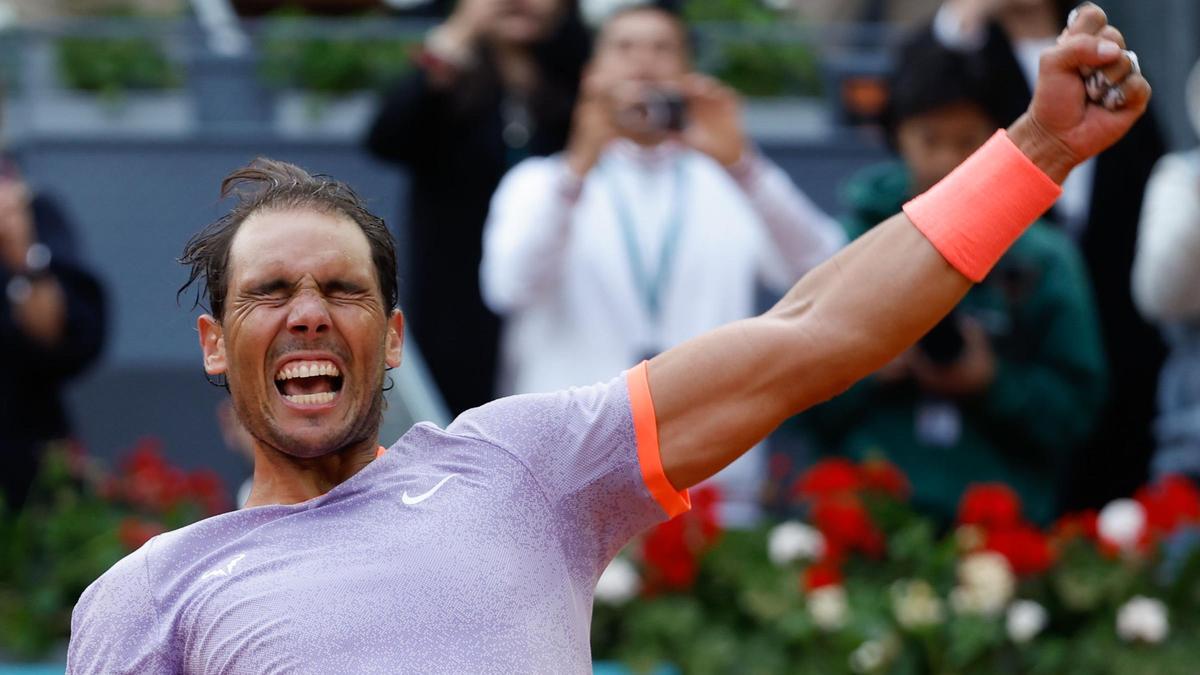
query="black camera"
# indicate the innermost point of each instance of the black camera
(658, 110)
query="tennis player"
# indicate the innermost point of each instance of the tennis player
(476, 548)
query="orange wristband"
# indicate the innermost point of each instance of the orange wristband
(974, 214)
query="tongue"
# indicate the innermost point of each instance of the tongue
(307, 385)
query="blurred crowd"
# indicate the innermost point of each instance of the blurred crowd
(581, 199)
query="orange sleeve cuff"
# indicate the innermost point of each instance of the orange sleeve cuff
(645, 426)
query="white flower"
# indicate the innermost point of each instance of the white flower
(1025, 620)
(986, 584)
(916, 604)
(869, 657)
(619, 583)
(793, 541)
(1143, 619)
(828, 607)
(1121, 523)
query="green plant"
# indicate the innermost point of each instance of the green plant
(767, 69)
(741, 43)
(870, 587)
(111, 66)
(79, 520)
(331, 64)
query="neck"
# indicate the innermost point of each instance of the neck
(516, 66)
(280, 478)
(1029, 23)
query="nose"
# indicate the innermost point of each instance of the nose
(308, 317)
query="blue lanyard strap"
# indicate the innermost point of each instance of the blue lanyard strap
(649, 285)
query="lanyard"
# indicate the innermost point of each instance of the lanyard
(649, 286)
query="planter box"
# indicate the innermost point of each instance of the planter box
(300, 114)
(787, 119)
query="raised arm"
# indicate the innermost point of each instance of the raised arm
(717, 395)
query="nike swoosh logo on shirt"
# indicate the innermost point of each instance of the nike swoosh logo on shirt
(226, 570)
(412, 501)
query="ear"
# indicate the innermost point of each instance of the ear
(212, 344)
(395, 339)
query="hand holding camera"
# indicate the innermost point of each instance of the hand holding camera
(697, 110)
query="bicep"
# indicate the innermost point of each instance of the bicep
(719, 394)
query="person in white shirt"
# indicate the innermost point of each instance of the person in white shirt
(1166, 287)
(656, 225)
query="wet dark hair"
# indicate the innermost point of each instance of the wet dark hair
(272, 185)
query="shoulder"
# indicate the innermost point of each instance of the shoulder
(125, 584)
(116, 626)
(535, 170)
(530, 419)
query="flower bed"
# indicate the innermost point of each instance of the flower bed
(81, 519)
(867, 585)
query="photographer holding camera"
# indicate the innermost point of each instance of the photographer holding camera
(1007, 386)
(656, 225)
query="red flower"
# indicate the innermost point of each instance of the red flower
(847, 527)
(1027, 550)
(992, 506)
(880, 475)
(672, 550)
(827, 478)
(1072, 525)
(134, 532)
(820, 575)
(1170, 503)
(205, 486)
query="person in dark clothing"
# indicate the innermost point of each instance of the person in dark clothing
(497, 84)
(1010, 383)
(51, 328)
(1101, 212)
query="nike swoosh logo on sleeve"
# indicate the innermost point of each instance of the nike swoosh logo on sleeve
(412, 501)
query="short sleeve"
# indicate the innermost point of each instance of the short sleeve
(593, 451)
(115, 627)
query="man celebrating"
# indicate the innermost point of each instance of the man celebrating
(476, 548)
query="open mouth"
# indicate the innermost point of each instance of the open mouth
(309, 382)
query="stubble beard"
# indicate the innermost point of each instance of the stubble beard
(265, 432)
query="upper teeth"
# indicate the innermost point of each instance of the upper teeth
(307, 369)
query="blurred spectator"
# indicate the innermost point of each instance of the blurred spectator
(51, 327)
(653, 227)
(1166, 286)
(1099, 209)
(496, 84)
(1006, 386)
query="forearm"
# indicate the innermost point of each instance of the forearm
(526, 237)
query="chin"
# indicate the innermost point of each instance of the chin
(520, 30)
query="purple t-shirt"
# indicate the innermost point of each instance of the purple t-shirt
(470, 549)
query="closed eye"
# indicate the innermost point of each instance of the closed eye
(343, 288)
